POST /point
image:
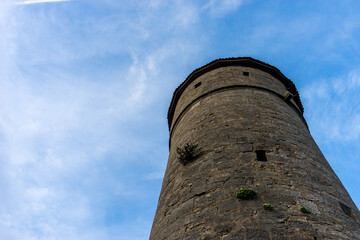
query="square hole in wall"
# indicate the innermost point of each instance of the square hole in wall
(345, 209)
(246, 73)
(261, 155)
(197, 85)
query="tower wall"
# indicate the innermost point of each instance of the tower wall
(237, 110)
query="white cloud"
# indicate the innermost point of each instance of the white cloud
(334, 108)
(318, 90)
(354, 77)
(222, 7)
(65, 134)
(54, 132)
(137, 76)
(58, 128)
(188, 14)
(40, 1)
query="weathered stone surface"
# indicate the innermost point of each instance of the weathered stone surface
(257, 234)
(231, 116)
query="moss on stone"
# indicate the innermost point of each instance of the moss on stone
(304, 210)
(267, 207)
(246, 194)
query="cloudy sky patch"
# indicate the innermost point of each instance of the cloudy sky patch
(40, 1)
(85, 88)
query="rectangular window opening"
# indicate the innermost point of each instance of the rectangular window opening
(197, 85)
(261, 155)
(246, 73)
(345, 209)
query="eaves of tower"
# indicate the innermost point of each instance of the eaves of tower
(239, 61)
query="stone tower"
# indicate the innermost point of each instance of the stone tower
(247, 118)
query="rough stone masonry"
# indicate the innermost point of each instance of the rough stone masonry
(247, 118)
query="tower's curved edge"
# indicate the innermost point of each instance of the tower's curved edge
(234, 61)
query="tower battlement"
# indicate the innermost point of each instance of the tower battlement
(247, 118)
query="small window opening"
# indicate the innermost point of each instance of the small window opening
(246, 73)
(197, 85)
(345, 209)
(261, 155)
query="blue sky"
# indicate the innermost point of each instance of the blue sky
(85, 87)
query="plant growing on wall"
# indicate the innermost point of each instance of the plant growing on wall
(267, 207)
(246, 193)
(188, 153)
(304, 210)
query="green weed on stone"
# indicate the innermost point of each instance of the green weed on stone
(267, 207)
(246, 194)
(304, 210)
(188, 153)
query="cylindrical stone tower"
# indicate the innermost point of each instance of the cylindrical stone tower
(247, 118)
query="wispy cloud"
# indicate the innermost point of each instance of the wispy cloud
(83, 99)
(341, 123)
(65, 126)
(40, 1)
(221, 7)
